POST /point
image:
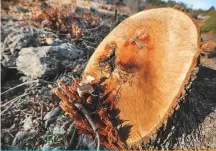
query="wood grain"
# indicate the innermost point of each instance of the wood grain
(156, 52)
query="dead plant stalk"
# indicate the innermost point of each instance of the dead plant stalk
(13, 101)
(90, 120)
(28, 82)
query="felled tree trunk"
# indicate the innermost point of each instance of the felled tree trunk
(147, 60)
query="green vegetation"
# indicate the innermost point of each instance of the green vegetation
(210, 24)
(169, 3)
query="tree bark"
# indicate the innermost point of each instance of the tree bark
(193, 124)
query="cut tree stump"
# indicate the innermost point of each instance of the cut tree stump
(147, 60)
(193, 123)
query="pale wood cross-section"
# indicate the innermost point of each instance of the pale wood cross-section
(155, 53)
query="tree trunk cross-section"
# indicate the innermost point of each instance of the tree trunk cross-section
(155, 53)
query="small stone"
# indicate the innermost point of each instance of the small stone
(49, 41)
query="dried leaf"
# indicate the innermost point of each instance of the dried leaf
(52, 114)
(28, 123)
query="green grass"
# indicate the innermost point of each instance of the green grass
(210, 24)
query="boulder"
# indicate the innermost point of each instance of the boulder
(36, 62)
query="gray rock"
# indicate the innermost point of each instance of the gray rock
(37, 62)
(16, 38)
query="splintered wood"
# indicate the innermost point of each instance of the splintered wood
(91, 110)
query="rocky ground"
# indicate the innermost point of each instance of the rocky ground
(37, 49)
(42, 42)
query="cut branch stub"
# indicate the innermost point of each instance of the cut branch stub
(155, 53)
